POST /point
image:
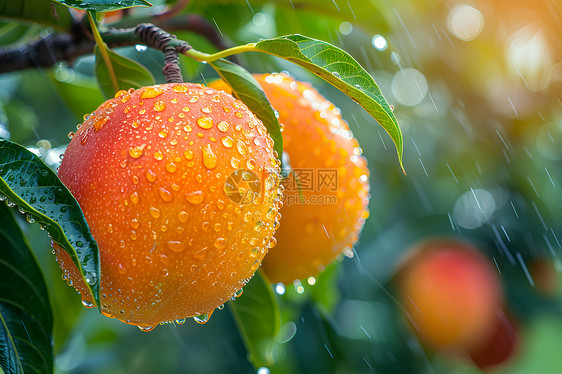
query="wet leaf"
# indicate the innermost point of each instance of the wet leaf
(26, 319)
(341, 70)
(37, 11)
(258, 318)
(248, 90)
(129, 73)
(31, 185)
(103, 5)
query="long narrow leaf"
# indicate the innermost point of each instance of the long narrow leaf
(341, 70)
(31, 185)
(258, 317)
(103, 5)
(248, 90)
(26, 319)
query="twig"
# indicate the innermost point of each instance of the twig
(173, 11)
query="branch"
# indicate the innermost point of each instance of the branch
(47, 51)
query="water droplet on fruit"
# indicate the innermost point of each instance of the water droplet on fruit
(209, 158)
(196, 197)
(154, 212)
(188, 155)
(202, 318)
(206, 110)
(176, 246)
(223, 126)
(194, 99)
(227, 141)
(180, 88)
(137, 151)
(220, 243)
(162, 134)
(146, 328)
(235, 162)
(133, 235)
(242, 149)
(205, 122)
(151, 176)
(180, 321)
(159, 106)
(121, 269)
(165, 194)
(134, 197)
(158, 155)
(183, 216)
(134, 223)
(151, 92)
(99, 122)
(87, 304)
(171, 167)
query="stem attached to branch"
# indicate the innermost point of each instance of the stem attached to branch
(161, 40)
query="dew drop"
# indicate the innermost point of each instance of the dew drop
(154, 212)
(137, 151)
(87, 304)
(223, 126)
(134, 198)
(159, 106)
(171, 167)
(180, 88)
(176, 246)
(209, 158)
(205, 122)
(227, 142)
(162, 134)
(146, 328)
(183, 216)
(196, 197)
(158, 155)
(220, 243)
(242, 149)
(151, 176)
(151, 92)
(202, 318)
(188, 155)
(90, 278)
(165, 194)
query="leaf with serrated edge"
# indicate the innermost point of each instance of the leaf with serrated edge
(129, 73)
(341, 70)
(248, 90)
(258, 317)
(103, 5)
(26, 318)
(28, 182)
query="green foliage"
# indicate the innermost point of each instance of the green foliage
(248, 90)
(258, 318)
(31, 185)
(341, 70)
(127, 73)
(43, 12)
(103, 5)
(26, 320)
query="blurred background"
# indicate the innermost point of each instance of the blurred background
(474, 86)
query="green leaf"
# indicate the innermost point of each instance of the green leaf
(258, 317)
(103, 5)
(341, 70)
(26, 319)
(28, 182)
(129, 73)
(82, 95)
(248, 90)
(43, 12)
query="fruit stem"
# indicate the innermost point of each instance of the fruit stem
(205, 57)
(167, 43)
(103, 50)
